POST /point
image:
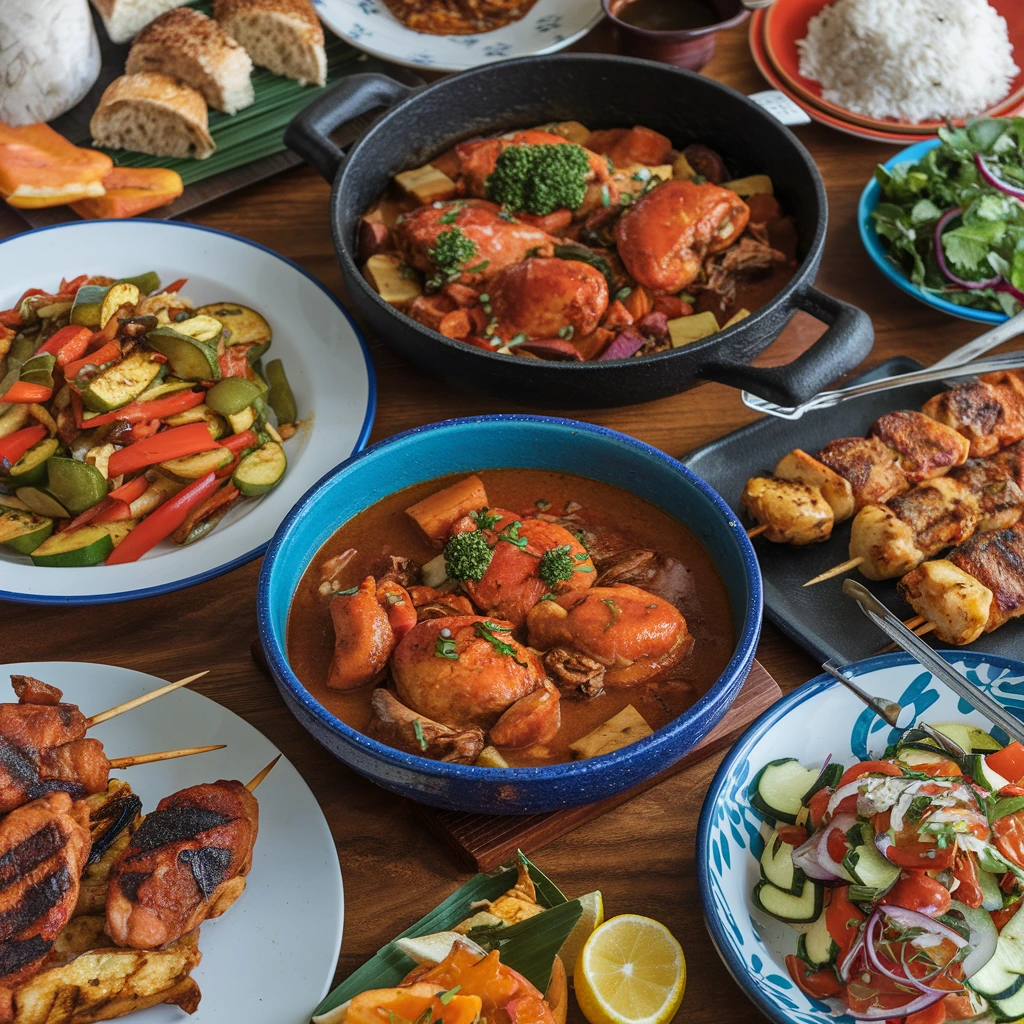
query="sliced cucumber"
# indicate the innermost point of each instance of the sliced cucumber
(76, 485)
(192, 467)
(979, 770)
(867, 866)
(121, 383)
(785, 906)
(187, 357)
(23, 531)
(914, 756)
(43, 504)
(30, 469)
(117, 295)
(1010, 1009)
(261, 470)
(969, 737)
(778, 868)
(991, 894)
(983, 936)
(88, 546)
(1003, 975)
(817, 946)
(242, 325)
(829, 776)
(87, 305)
(200, 328)
(779, 787)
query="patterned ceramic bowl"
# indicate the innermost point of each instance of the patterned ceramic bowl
(818, 719)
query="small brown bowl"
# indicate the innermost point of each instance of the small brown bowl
(689, 48)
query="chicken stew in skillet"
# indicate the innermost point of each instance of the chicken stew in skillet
(516, 617)
(563, 243)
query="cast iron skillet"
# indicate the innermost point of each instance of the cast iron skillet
(601, 91)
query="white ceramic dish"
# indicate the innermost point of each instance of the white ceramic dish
(817, 719)
(272, 957)
(324, 354)
(550, 25)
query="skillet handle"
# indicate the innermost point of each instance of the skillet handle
(842, 347)
(309, 131)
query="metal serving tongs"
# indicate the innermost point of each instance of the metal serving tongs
(894, 629)
(963, 362)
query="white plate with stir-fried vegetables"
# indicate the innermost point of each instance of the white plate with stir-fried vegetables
(852, 869)
(166, 393)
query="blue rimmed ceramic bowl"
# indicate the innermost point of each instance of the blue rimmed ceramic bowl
(869, 200)
(493, 442)
(819, 718)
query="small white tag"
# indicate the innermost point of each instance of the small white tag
(780, 106)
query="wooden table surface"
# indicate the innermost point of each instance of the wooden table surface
(641, 855)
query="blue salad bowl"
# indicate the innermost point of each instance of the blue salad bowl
(494, 442)
(869, 200)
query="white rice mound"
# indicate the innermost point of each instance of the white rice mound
(914, 60)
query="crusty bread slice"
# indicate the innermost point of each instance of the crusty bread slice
(124, 19)
(184, 43)
(282, 35)
(154, 114)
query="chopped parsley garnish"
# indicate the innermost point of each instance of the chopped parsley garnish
(346, 593)
(623, 293)
(484, 518)
(511, 535)
(467, 556)
(446, 997)
(615, 610)
(917, 807)
(540, 179)
(445, 648)
(567, 331)
(556, 565)
(418, 729)
(550, 597)
(452, 251)
(487, 630)
(449, 217)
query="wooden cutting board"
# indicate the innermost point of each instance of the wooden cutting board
(484, 841)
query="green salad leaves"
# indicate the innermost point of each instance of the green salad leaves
(984, 242)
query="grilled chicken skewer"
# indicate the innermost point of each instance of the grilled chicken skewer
(975, 589)
(975, 419)
(186, 863)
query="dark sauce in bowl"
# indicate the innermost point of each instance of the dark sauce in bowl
(668, 15)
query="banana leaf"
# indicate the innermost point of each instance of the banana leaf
(528, 947)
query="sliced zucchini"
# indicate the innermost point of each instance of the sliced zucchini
(817, 946)
(231, 395)
(121, 383)
(1003, 976)
(192, 467)
(969, 737)
(242, 325)
(912, 757)
(978, 769)
(14, 419)
(76, 485)
(991, 894)
(23, 531)
(87, 305)
(30, 469)
(779, 787)
(261, 470)
(197, 414)
(243, 420)
(1010, 1009)
(89, 545)
(778, 868)
(43, 504)
(829, 776)
(188, 358)
(163, 388)
(147, 283)
(117, 295)
(785, 906)
(867, 866)
(200, 328)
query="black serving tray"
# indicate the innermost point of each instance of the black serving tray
(821, 618)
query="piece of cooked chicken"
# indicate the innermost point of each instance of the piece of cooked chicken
(997, 561)
(953, 599)
(802, 468)
(990, 416)
(795, 513)
(871, 467)
(924, 447)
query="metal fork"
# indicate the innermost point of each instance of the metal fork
(959, 360)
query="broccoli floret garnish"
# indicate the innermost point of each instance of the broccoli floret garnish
(540, 179)
(451, 252)
(466, 556)
(556, 565)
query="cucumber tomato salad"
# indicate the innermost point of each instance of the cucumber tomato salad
(129, 416)
(903, 877)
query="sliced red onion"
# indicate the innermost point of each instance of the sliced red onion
(851, 958)
(872, 931)
(555, 349)
(1005, 286)
(882, 843)
(805, 857)
(850, 789)
(940, 256)
(625, 344)
(995, 181)
(912, 919)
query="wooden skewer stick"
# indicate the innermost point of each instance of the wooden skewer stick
(917, 627)
(836, 570)
(925, 629)
(161, 755)
(257, 779)
(130, 705)
(756, 531)
(914, 622)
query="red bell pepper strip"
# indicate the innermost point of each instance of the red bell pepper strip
(239, 442)
(143, 430)
(22, 391)
(1008, 762)
(67, 344)
(175, 443)
(131, 490)
(15, 445)
(71, 287)
(155, 409)
(166, 519)
(176, 286)
(109, 510)
(9, 318)
(107, 354)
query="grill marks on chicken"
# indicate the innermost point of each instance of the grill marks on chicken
(187, 862)
(45, 846)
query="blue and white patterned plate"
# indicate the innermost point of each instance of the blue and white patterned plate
(549, 25)
(818, 719)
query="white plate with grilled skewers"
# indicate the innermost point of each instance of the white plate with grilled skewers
(275, 940)
(932, 513)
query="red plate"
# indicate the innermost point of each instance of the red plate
(786, 21)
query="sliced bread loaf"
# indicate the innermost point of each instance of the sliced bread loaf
(184, 43)
(154, 114)
(282, 35)
(123, 19)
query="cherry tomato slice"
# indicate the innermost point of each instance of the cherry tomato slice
(917, 891)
